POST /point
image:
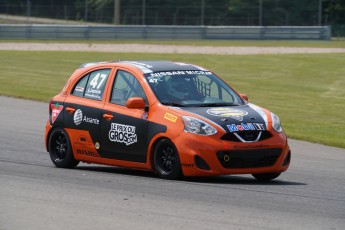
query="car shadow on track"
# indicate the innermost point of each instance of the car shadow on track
(242, 180)
(118, 170)
(228, 179)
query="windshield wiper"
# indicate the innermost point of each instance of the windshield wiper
(173, 104)
(215, 104)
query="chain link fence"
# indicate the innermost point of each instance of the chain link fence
(204, 13)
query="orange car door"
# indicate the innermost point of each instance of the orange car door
(123, 130)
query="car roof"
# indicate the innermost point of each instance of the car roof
(152, 66)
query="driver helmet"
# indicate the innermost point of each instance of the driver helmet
(179, 87)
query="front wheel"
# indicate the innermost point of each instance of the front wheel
(166, 160)
(266, 176)
(60, 149)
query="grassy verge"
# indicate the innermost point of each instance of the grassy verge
(307, 91)
(281, 43)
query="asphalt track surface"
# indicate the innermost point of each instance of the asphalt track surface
(36, 195)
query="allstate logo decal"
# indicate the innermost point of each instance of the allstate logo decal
(78, 117)
(236, 114)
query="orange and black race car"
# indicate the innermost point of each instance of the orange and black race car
(171, 118)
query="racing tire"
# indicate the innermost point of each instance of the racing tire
(60, 149)
(166, 160)
(266, 176)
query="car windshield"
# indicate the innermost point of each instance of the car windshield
(192, 89)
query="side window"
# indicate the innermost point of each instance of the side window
(92, 85)
(126, 86)
(96, 84)
(80, 87)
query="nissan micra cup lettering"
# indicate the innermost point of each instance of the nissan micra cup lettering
(175, 119)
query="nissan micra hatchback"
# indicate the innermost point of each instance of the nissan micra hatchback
(171, 118)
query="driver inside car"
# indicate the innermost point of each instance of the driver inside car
(183, 89)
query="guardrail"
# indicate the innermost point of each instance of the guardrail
(98, 32)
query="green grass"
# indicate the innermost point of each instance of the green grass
(307, 91)
(340, 43)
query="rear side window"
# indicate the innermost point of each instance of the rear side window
(92, 85)
(80, 87)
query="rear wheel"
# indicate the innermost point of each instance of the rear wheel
(266, 176)
(60, 149)
(166, 160)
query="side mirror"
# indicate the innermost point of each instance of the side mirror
(243, 96)
(135, 103)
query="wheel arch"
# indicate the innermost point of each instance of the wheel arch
(63, 156)
(152, 147)
(49, 134)
(48, 137)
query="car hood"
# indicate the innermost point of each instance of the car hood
(233, 118)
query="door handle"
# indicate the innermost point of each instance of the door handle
(108, 116)
(70, 109)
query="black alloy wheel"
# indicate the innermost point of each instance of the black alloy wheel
(60, 149)
(266, 176)
(166, 160)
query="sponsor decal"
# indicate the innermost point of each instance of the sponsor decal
(170, 117)
(246, 127)
(145, 116)
(78, 118)
(86, 153)
(94, 93)
(91, 120)
(172, 73)
(250, 147)
(236, 114)
(56, 109)
(97, 145)
(79, 89)
(188, 165)
(123, 134)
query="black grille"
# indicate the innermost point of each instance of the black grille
(247, 136)
(255, 158)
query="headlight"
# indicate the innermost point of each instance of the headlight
(276, 123)
(196, 126)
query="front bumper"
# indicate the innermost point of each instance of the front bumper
(211, 156)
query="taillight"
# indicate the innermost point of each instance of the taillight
(50, 105)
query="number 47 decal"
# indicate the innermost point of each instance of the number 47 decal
(94, 82)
